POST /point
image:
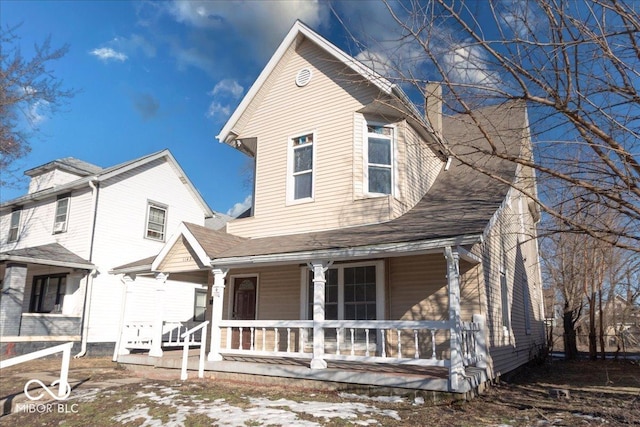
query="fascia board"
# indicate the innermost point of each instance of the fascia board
(386, 250)
(297, 29)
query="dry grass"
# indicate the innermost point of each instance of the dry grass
(602, 392)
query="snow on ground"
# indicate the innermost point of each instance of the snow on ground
(256, 411)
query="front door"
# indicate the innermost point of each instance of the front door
(244, 308)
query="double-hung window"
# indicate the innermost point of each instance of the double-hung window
(352, 292)
(156, 221)
(301, 153)
(200, 305)
(62, 214)
(47, 293)
(14, 225)
(379, 159)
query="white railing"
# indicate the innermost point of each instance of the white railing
(468, 343)
(63, 387)
(397, 342)
(189, 340)
(139, 335)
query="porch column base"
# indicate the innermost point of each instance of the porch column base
(154, 352)
(214, 357)
(318, 364)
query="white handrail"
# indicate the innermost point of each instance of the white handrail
(64, 369)
(185, 349)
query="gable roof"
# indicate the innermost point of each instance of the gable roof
(101, 175)
(300, 30)
(51, 254)
(68, 164)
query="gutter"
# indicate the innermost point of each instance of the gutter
(95, 190)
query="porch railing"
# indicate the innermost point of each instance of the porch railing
(139, 335)
(423, 343)
(189, 340)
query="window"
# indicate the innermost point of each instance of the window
(62, 212)
(14, 225)
(200, 305)
(352, 292)
(379, 159)
(156, 221)
(301, 160)
(504, 296)
(47, 293)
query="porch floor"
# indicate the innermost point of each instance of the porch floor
(344, 373)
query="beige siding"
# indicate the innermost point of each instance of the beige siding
(326, 106)
(179, 258)
(507, 249)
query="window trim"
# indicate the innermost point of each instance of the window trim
(393, 161)
(380, 287)
(290, 190)
(165, 208)
(61, 226)
(35, 303)
(14, 228)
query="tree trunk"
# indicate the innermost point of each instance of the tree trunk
(593, 344)
(601, 315)
(570, 344)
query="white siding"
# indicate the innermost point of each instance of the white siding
(50, 179)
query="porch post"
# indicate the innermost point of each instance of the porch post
(156, 342)
(318, 268)
(217, 293)
(456, 367)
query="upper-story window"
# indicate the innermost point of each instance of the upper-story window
(62, 213)
(379, 159)
(156, 221)
(14, 225)
(301, 154)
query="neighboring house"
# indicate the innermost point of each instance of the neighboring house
(369, 256)
(76, 222)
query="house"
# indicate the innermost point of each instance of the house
(76, 222)
(369, 256)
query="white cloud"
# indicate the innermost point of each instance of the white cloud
(218, 110)
(227, 87)
(35, 114)
(260, 23)
(468, 64)
(107, 54)
(240, 207)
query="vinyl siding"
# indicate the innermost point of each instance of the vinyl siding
(50, 179)
(179, 258)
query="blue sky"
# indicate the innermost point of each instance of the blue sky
(155, 75)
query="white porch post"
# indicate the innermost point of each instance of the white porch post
(453, 281)
(217, 293)
(318, 268)
(156, 343)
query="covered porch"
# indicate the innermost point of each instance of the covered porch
(325, 333)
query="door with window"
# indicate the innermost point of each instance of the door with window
(244, 308)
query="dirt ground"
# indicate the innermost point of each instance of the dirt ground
(105, 394)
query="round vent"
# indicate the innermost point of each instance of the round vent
(303, 77)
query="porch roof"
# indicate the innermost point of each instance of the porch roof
(455, 211)
(52, 254)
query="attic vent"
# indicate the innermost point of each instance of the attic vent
(303, 77)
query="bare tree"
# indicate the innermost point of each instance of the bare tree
(576, 64)
(29, 91)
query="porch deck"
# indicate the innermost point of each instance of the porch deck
(429, 378)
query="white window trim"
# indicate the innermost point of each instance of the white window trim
(290, 177)
(365, 157)
(61, 226)
(17, 226)
(156, 205)
(231, 292)
(196, 291)
(380, 288)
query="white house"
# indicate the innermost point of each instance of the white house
(78, 221)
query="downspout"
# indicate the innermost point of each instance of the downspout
(95, 189)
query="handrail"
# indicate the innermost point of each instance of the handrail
(64, 369)
(185, 349)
